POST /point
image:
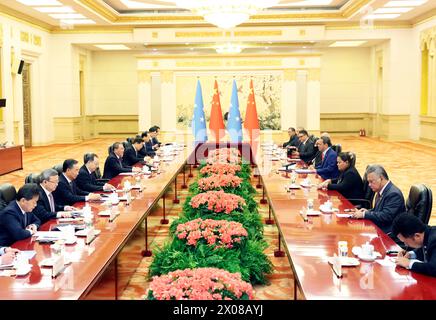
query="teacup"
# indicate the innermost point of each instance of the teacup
(328, 205)
(367, 250)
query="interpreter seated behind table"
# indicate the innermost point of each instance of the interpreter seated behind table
(306, 151)
(46, 207)
(114, 163)
(293, 139)
(67, 193)
(87, 180)
(131, 155)
(17, 222)
(155, 140)
(7, 255)
(389, 200)
(420, 237)
(349, 183)
(153, 131)
(328, 168)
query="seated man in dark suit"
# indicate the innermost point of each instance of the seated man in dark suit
(293, 139)
(154, 140)
(153, 131)
(114, 163)
(46, 207)
(147, 148)
(306, 150)
(67, 193)
(17, 222)
(389, 200)
(87, 179)
(328, 168)
(415, 234)
(3, 204)
(131, 155)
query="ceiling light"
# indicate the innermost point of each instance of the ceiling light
(154, 49)
(405, 3)
(112, 46)
(225, 13)
(228, 48)
(347, 43)
(77, 21)
(40, 2)
(67, 16)
(266, 48)
(382, 16)
(63, 9)
(392, 10)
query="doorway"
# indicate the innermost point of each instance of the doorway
(27, 106)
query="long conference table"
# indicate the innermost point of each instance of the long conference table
(307, 245)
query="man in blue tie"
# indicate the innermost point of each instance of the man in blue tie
(389, 200)
(17, 222)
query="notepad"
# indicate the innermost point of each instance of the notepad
(127, 173)
(305, 171)
(343, 215)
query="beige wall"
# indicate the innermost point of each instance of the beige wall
(345, 80)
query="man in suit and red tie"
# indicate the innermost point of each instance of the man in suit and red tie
(67, 193)
(114, 163)
(17, 222)
(389, 200)
(328, 168)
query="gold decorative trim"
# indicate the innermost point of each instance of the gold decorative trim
(257, 63)
(214, 56)
(100, 8)
(428, 40)
(144, 76)
(167, 76)
(261, 33)
(199, 34)
(290, 74)
(1, 34)
(314, 75)
(24, 36)
(353, 7)
(37, 40)
(23, 18)
(301, 62)
(197, 63)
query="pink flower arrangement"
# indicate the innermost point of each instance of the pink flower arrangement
(218, 201)
(225, 155)
(216, 181)
(220, 168)
(199, 284)
(220, 233)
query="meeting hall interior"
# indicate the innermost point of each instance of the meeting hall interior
(217, 149)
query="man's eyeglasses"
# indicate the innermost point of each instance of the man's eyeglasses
(54, 182)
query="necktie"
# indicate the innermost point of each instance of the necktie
(377, 199)
(25, 220)
(51, 200)
(322, 156)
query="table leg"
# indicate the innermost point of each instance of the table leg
(184, 186)
(279, 253)
(116, 278)
(263, 200)
(295, 288)
(146, 252)
(269, 220)
(175, 200)
(259, 185)
(190, 175)
(164, 220)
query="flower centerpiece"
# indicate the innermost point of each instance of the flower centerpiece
(216, 181)
(200, 284)
(220, 168)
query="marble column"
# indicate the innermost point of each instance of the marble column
(313, 100)
(289, 99)
(168, 101)
(144, 100)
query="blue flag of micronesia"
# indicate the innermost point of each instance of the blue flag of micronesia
(234, 124)
(199, 120)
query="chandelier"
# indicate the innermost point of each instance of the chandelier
(225, 13)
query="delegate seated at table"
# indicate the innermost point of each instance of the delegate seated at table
(7, 255)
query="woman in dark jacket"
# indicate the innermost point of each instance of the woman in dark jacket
(349, 183)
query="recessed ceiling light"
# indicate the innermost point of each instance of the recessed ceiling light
(347, 43)
(154, 49)
(112, 46)
(405, 3)
(382, 16)
(40, 2)
(304, 47)
(63, 9)
(392, 10)
(186, 43)
(67, 16)
(77, 21)
(266, 48)
(192, 49)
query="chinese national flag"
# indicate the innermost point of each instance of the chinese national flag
(251, 123)
(216, 124)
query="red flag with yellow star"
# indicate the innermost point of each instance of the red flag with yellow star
(251, 123)
(216, 123)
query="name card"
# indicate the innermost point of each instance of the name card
(58, 266)
(129, 198)
(90, 235)
(114, 214)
